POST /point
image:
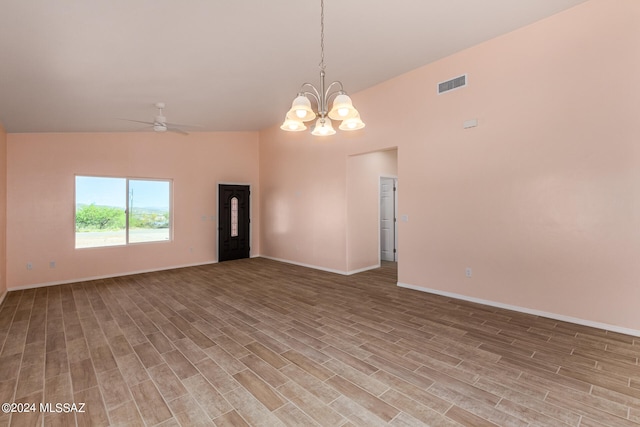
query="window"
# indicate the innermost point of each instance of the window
(119, 211)
(234, 217)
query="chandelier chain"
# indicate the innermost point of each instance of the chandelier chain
(322, 66)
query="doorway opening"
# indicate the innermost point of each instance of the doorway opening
(364, 172)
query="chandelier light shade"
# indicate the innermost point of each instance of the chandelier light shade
(342, 108)
(323, 127)
(301, 109)
(292, 125)
(352, 123)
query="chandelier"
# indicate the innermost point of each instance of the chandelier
(342, 108)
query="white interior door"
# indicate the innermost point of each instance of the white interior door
(387, 219)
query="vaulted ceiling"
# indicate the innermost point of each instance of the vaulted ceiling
(81, 66)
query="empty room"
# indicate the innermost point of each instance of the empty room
(320, 213)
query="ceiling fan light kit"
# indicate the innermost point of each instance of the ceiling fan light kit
(342, 109)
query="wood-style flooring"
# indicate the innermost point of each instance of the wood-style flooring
(258, 342)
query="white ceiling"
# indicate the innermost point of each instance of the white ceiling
(81, 65)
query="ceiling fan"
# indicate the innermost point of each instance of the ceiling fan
(160, 124)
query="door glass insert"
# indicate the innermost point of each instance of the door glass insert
(234, 217)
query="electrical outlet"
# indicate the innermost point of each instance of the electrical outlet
(52, 264)
(467, 272)
(29, 266)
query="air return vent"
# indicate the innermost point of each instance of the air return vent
(452, 84)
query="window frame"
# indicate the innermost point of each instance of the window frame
(127, 210)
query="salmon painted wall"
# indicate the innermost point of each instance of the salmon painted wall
(3, 212)
(363, 206)
(41, 206)
(540, 200)
(303, 193)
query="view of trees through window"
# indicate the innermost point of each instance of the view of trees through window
(119, 211)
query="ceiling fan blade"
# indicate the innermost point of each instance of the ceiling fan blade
(182, 125)
(160, 124)
(177, 130)
(137, 121)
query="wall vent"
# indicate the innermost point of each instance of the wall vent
(452, 84)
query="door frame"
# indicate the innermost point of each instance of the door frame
(395, 214)
(218, 184)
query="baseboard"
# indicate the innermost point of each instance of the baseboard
(301, 264)
(4, 294)
(108, 276)
(316, 267)
(361, 270)
(561, 317)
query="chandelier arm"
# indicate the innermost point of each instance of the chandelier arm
(328, 94)
(313, 95)
(315, 92)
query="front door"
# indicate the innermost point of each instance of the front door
(233, 222)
